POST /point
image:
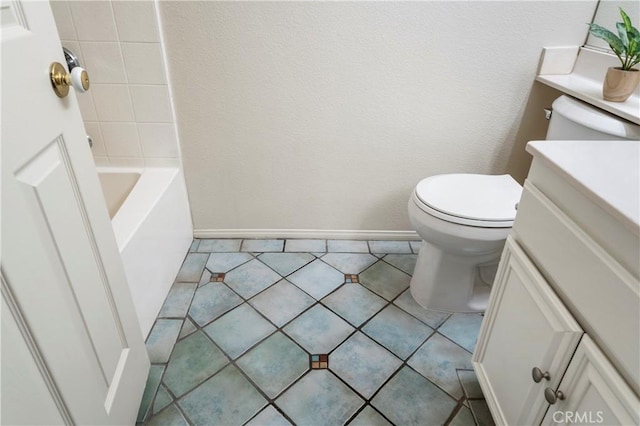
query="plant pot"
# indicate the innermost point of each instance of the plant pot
(619, 85)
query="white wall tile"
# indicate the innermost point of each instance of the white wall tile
(136, 20)
(94, 20)
(112, 102)
(143, 62)
(161, 162)
(87, 105)
(103, 62)
(151, 103)
(64, 21)
(101, 161)
(93, 130)
(126, 162)
(158, 140)
(121, 140)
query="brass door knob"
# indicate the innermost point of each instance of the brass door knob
(61, 79)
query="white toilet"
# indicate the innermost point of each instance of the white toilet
(464, 219)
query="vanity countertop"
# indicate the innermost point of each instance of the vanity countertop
(607, 172)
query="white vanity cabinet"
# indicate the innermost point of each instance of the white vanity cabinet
(566, 301)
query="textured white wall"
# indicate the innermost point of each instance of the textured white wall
(324, 115)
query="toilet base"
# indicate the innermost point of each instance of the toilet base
(453, 283)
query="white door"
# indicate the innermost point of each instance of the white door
(63, 284)
(526, 326)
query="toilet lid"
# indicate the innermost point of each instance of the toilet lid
(483, 198)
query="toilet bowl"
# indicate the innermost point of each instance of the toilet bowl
(463, 221)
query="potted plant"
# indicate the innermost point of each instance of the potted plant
(620, 82)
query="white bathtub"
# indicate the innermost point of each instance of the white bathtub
(150, 215)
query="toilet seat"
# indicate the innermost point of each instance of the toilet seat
(487, 201)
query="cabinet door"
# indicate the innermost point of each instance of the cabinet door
(525, 326)
(594, 392)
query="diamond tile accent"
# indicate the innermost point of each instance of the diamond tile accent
(274, 364)
(192, 268)
(319, 361)
(162, 338)
(305, 246)
(318, 330)
(354, 303)
(410, 399)
(224, 262)
(285, 263)
(428, 316)
(282, 302)
(397, 331)
(438, 359)
(404, 262)
(318, 399)
(251, 278)
(351, 278)
(219, 245)
(348, 246)
(385, 280)
(193, 360)
(217, 277)
(317, 279)
(226, 398)
(389, 246)
(259, 246)
(462, 329)
(211, 301)
(178, 300)
(269, 417)
(238, 330)
(363, 364)
(349, 263)
(369, 417)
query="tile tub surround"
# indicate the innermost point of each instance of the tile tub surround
(261, 332)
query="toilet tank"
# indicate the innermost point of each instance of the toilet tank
(575, 120)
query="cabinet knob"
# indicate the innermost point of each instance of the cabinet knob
(538, 375)
(553, 396)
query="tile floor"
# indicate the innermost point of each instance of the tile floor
(307, 332)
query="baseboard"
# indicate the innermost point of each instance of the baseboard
(307, 233)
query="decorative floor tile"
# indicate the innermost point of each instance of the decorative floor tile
(224, 262)
(269, 417)
(275, 363)
(410, 399)
(285, 263)
(354, 303)
(225, 399)
(150, 389)
(163, 399)
(470, 385)
(192, 268)
(415, 246)
(305, 246)
(221, 245)
(318, 330)
(347, 246)
(349, 263)
(238, 330)
(169, 416)
(282, 302)
(463, 418)
(428, 316)
(438, 359)
(319, 361)
(217, 277)
(260, 246)
(251, 278)
(178, 300)
(397, 331)
(390, 247)
(385, 280)
(363, 364)
(351, 279)
(369, 417)
(462, 329)
(187, 328)
(193, 360)
(404, 262)
(162, 338)
(317, 279)
(318, 399)
(211, 301)
(481, 412)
